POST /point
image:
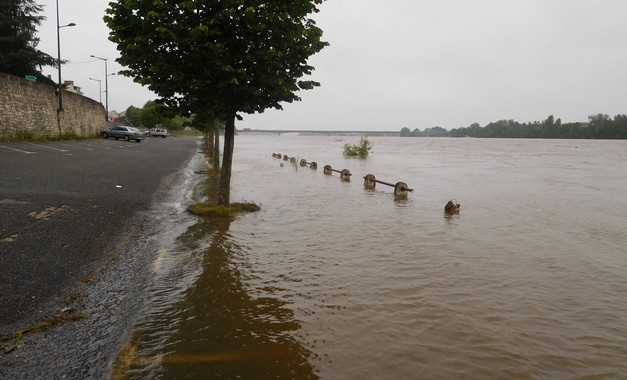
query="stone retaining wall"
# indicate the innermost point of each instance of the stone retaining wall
(29, 109)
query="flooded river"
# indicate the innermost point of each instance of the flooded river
(332, 281)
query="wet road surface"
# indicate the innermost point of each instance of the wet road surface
(69, 211)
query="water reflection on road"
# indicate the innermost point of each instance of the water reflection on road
(215, 329)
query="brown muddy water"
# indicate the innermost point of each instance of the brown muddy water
(332, 281)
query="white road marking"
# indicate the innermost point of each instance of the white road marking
(48, 147)
(17, 150)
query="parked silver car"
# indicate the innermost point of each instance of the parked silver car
(123, 132)
(157, 132)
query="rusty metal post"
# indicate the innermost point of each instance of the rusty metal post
(370, 182)
(303, 162)
(313, 165)
(345, 175)
(285, 157)
(292, 159)
(401, 190)
(452, 208)
(328, 170)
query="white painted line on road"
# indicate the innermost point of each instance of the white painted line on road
(72, 145)
(86, 144)
(12, 202)
(94, 145)
(48, 147)
(17, 150)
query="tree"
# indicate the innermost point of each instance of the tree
(210, 125)
(620, 125)
(228, 56)
(133, 114)
(601, 125)
(18, 44)
(153, 113)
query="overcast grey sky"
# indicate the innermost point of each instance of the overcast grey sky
(413, 63)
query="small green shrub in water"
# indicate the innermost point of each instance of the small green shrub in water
(360, 150)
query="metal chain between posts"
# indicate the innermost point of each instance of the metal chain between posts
(401, 189)
(345, 174)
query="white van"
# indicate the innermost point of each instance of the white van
(158, 132)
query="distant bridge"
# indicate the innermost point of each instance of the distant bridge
(316, 133)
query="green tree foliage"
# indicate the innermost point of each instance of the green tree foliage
(133, 114)
(360, 150)
(227, 56)
(599, 126)
(153, 114)
(429, 132)
(19, 56)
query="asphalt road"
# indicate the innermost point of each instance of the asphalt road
(62, 206)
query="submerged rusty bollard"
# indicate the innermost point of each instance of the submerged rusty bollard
(292, 159)
(313, 165)
(369, 182)
(401, 190)
(274, 155)
(345, 175)
(303, 162)
(452, 208)
(285, 157)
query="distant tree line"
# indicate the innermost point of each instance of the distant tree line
(599, 126)
(429, 132)
(156, 114)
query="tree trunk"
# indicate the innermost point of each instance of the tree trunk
(209, 148)
(224, 191)
(216, 143)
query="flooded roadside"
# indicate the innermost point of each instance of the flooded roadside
(112, 296)
(200, 320)
(332, 281)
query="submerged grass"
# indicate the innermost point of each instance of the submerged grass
(45, 324)
(210, 170)
(210, 209)
(67, 314)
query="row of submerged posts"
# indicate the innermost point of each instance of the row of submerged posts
(401, 189)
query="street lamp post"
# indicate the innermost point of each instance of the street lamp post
(106, 85)
(99, 87)
(59, 57)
